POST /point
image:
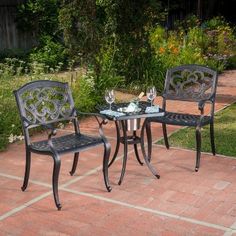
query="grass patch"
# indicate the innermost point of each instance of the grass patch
(225, 134)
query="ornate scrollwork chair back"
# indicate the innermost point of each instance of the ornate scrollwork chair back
(45, 103)
(192, 83)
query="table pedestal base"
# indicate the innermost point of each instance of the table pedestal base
(133, 140)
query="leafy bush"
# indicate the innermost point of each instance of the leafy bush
(88, 26)
(49, 53)
(89, 89)
(84, 93)
(221, 42)
(39, 17)
(212, 44)
(232, 62)
(12, 66)
(13, 53)
(176, 49)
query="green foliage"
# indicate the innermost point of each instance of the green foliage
(89, 89)
(12, 66)
(232, 62)
(211, 45)
(49, 53)
(13, 53)
(89, 27)
(82, 25)
(84, 92)
(221, 42)
(40, 17)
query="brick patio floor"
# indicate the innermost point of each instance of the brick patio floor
(181, 202)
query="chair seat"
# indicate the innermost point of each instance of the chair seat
(67, 143)
(181, 119)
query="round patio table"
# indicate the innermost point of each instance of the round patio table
(129, 122)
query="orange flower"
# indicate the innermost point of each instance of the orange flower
(175, 50)
(161, 50)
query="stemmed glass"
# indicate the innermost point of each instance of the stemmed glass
(109, 97)
(151, 93)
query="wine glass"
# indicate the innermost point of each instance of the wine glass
(109, 97)
(151, 93)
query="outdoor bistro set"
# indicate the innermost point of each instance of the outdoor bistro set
(44, 103)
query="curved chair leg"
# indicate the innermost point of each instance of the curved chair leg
(55, 176)
(213, 149)
(75, 162)
(198, 147)
(107, 151)
(149, 140)
(27, 170)
(165, 135)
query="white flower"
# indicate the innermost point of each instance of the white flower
(20, 137)
(11, 138)
(61, 126)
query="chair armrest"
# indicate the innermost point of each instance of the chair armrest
(100, 123)
(91, 114)
(96, 115)
(202, 103)
(47, 127)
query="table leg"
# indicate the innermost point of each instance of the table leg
(147, 158)
(136, 149)
(125, 151)
(149, 140)
(117, 144)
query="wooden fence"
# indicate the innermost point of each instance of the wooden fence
(10, 36)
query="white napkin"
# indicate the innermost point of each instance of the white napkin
(152, 109)
(131, 107)
(112, 113)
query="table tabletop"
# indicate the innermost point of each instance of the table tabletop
(130, 115)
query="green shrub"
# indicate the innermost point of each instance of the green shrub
(88, 90)
(13, 53)
(12, 66)
(221, 43)
(49, 53)
(232, 62)
(84, 92)
(212, 44)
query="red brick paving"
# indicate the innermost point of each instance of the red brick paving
(181, 202)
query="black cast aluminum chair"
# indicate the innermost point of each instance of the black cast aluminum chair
(45, 103)
(193, 83)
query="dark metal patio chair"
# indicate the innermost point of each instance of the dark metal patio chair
(45, 103)
(193, 83)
